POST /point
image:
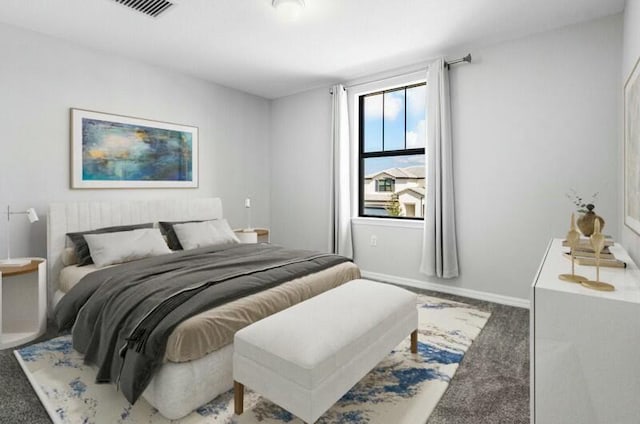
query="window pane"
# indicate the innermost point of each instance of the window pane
(416, 112)
(394, 120)
(373, 123)
(394, 186)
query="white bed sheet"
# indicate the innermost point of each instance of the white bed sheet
(72, 274)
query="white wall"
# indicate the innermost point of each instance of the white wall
(301, 170)
(630, 54)
(41, 78)
(532, 118)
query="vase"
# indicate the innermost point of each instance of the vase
(585, 222)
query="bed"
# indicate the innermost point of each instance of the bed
(193, 372)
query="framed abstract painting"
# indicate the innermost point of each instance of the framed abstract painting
(632, 150)
(114, 151)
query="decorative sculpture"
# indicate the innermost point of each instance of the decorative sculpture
(597, 242)
(573, 240)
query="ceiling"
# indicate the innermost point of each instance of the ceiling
(243, 44)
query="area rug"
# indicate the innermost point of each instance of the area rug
(403, 388)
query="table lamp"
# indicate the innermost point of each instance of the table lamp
(33, 217)
(247, 206)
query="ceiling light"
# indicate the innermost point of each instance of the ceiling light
(289, 10)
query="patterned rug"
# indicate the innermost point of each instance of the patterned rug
(403, 388)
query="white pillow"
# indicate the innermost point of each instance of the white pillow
(208, 233)
(125, 246)
(225, 230)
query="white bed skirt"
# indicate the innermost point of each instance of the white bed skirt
(178, 388)
(56, 298)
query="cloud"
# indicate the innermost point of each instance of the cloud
(393, 105)
(417, 100)
(373, 107)
(414, 160)
(418, 137)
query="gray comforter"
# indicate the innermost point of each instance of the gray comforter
(122, 316)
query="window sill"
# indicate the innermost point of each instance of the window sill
(388, 222)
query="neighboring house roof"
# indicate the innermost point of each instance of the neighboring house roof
(418, 171)
(419, 191)
(381, 175)
(408, 172)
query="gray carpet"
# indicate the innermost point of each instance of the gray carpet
(19, 403)
(492, 383)
(490, 386)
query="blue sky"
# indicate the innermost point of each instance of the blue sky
(394, 127)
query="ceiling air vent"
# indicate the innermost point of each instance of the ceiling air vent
(151, 8)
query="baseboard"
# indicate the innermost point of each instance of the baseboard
(443, 288)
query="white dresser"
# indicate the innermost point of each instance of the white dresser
(585, 344)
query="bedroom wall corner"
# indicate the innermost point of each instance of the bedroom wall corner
(301, 169)
(43, 77)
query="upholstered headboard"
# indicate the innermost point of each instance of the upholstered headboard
(64, 218)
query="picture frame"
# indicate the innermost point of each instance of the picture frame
(110, 151)
(632, 149)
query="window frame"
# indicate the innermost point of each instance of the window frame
(387, 182)
(362, 155)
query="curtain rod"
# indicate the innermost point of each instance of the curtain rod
(466, 58)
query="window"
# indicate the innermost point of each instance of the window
(386, 184)
(392, 133)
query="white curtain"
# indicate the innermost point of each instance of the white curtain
(439, 251)
(341, 195)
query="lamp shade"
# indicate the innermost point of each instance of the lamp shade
(32, 215)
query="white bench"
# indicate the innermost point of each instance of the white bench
(307, 357)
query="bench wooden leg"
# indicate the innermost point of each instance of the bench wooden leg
(414, 341)
(238, 397)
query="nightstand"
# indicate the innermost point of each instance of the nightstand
(23, 302)
(256, 235)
